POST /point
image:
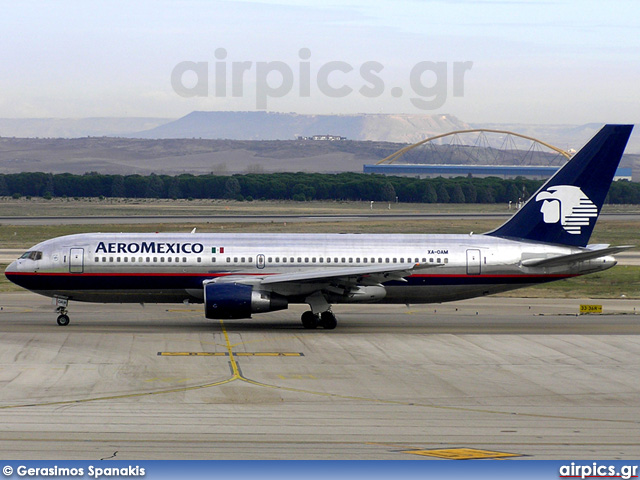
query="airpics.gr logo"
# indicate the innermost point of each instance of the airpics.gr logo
(568, 205)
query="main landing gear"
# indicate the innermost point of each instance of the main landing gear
(326, 320)
(320, 314)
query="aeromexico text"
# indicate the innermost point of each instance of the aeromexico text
(149, 247)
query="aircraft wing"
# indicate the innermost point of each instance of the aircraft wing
(574, 257)
(369, 275)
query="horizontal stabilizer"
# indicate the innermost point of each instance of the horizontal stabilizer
(575, 257)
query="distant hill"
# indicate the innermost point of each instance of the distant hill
(76, 127)
(176, 156)
(287, 126)
(400, 128)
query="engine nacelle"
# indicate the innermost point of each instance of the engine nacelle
(235, 300)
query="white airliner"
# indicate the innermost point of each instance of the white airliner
(237, 275)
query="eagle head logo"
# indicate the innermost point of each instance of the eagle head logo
(568, 205)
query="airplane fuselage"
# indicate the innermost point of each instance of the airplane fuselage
(171, 268)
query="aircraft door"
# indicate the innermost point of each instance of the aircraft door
(260, 261)
(473, 262)
(76, 260)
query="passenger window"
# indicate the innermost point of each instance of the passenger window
(344, 260)
(386, 260)
(228, 260)
(184, 259)
(439, 260)
(306, 260)
(424, 260)
(133, 259)
(446, 260)
(199, 260)
(380, 260)
(299, 259)
(213, 259)
(250, 260)
(321, 260)
(97, 259)
(277, 259)
(350, 260)
(284, 259)
(269, 259)
(169, 259)
(364, 260)
(111, 259)
(291, 260)
(402, 260)
(235, 259)
(155, 259)
(395, 260)
(313, 260)
(431, 260)
(104, 259)
(126, 259)
(162, 259)
(335, 260)
(328, 259)
(358, 260)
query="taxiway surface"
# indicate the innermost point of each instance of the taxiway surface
(521, 376)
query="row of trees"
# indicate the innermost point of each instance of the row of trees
(293, 186)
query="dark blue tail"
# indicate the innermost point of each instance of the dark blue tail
(565, 209)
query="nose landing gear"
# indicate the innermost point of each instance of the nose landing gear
(63, 320)
(61, 308)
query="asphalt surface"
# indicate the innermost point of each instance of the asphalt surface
(520, 376)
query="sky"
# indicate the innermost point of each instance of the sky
(485, 61)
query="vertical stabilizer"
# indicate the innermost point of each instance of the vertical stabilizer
(566, 208)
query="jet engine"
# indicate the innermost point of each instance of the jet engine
(236, 300)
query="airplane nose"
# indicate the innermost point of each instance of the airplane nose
(13, 267)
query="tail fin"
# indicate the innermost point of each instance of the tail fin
(565, 209)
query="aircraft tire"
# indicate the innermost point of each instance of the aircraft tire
(63, 320)
(328, 320)
(310, 320)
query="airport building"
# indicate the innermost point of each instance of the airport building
(503, 171)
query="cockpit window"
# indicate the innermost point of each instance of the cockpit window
(33, 255)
